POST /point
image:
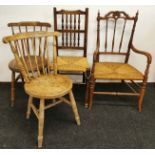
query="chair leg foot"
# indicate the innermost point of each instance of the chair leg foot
(29, 107)
(74, 107)
(41, 123)
(40, 141)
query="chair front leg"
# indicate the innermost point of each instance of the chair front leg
(41, 122)
(141, 97)
(91, 91)
(13, 74)
(74, 107)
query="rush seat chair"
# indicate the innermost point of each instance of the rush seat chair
(116, 30)
(72, 46)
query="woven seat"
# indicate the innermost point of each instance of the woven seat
(116, 71)
(72, 63)
(14, 66)
(49, 86)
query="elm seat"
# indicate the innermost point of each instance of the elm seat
(49, 86)
(72, 63)
(14, 66)
(116, 71)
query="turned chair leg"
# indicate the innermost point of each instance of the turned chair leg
(87, 94)
(142, 92)
(41, 123)
(13, 88)
(29, 107)
(74, 107)
(91, 92)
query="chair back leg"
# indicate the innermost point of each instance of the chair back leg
(13, 74)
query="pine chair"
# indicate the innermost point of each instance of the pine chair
(73, 24)
(41, 84)
(118, 25)
(19, 27)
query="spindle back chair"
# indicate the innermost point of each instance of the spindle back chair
(120, 23)
(73, 24)
(19, 27)
(40, 82)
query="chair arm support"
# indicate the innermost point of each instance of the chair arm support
(95, 55)
(148, 55)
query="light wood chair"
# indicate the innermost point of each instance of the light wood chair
(72, 46)
(19, 27)
(41, 84)
(117, 25)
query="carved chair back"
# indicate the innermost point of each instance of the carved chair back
(115, 33)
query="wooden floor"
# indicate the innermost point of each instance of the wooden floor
(114, 122)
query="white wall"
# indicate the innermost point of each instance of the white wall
(143, 38)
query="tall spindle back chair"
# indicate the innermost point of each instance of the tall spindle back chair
(121, 27)
(19, 27)
(73, 24)
(41, 83)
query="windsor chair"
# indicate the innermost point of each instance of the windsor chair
(42, 84)
(19, 27)
(72, 46)
(121, 26)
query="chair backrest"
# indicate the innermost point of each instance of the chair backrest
(73, 24)
(38, 42)
(28, 26)
(118, 29)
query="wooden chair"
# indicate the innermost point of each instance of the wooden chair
(41, 84)
(19, 27)
(118, 22)
(73, 24)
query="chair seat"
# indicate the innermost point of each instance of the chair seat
(48, 86)
(72, 63)
(14, 66)
(116, 71)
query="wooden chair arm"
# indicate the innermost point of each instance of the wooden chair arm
(148, 55)
(95, 56)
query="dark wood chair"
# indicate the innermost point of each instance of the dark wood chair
(19, 27)
(118, 30)
(73, 24)
(41, 84)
